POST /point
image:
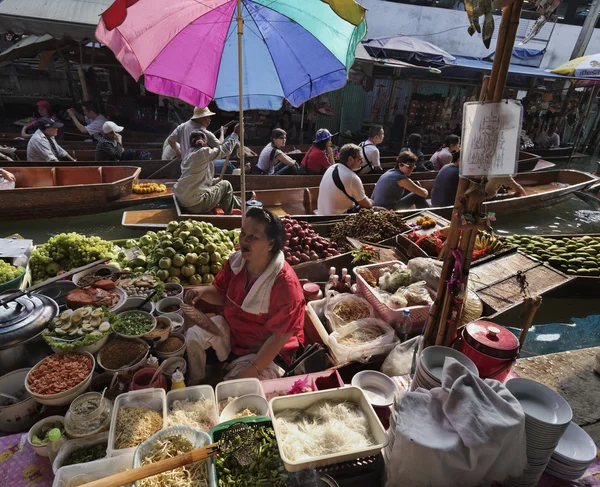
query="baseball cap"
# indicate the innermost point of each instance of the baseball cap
(48, 123)
(322, 134)
(111, 127)
(45, 104)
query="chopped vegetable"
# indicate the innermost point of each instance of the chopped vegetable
(134, 323)
(42, 438)
(86, 454)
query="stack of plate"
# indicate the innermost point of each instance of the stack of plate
(575, 452)
(547, 416)
(431, 364)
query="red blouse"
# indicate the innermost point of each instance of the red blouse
(286, 312)
(316, 160)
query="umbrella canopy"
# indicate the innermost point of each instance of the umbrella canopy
(188, 49)
(408, 49)
(585, 67)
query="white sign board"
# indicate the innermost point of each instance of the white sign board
(491, 138)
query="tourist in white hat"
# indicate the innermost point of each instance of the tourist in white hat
(110, 146)
(200, 121)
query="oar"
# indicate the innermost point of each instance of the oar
(177, 159)
(588, 198)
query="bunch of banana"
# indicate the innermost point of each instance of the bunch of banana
(488, 242)
(145, 188)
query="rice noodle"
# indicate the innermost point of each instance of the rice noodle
(351, 310)
(195, 414)
(135, 425)
(360, 336)
(326, 428)
(192, 475)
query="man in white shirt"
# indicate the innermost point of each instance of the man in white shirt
(92, 118)
(370, 152)
(341, 189)
(553, 137)
(42, 147)
(179, 140)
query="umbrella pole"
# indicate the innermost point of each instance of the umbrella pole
(240, 23)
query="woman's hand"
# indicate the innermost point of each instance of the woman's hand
(194, 296)
(7, 175)
(249, 372)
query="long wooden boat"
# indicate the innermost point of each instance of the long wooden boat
(43, 192)
(89, 154)
(544, 189)
(555, 153)
(21, 143)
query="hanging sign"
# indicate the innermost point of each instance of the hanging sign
(491, 135)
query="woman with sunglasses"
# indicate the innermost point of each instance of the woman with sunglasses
(261, 295)
(272, 160)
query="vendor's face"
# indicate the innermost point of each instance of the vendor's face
(254, 243)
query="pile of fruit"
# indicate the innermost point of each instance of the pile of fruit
(186, 252)
(426, 222)
(67, 251)
(303, 244)
(487, 242)
(9, 272)
(145, 188)
(573, 255)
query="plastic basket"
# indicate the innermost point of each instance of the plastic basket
(194, 393)
(196, 437)
(418, 314)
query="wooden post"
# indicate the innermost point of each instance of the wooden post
(240, 25)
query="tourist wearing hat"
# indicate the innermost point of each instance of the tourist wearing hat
(200, 121)
(92, 118)
(42, 147)
(44, 110)
(110, 147)
(320, 156)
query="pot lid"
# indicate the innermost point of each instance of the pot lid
(25, 318)
(491, 339)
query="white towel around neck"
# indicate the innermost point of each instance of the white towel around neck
(259, 297)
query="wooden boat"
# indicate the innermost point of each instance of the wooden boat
(544, 189)
(43, 192)
(88, 154)
(555, 153)
(82, 145)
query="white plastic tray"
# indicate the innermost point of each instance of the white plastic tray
(72, 445)
(195, 393)
(155, 399)
(304, 401)
(237, 388)
(98, 469)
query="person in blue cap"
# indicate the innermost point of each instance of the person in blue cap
(319, 157)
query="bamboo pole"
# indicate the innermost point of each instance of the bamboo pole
(507, 50)
(531, 306)
(240, 25)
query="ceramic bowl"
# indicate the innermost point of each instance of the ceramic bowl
(131, 368)
(176, 321)
(166, 302)
(378, 387)
(250, 401)
(21, 415)
(132, 303)
(176, 353)
(433, 358)
(36, 429)
(540, 402)
(173, 286)
(133, 312)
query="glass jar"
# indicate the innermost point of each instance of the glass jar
(88, 415)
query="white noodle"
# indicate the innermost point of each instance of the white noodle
(325, 428)
(195, 414)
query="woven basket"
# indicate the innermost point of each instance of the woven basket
(418, 314)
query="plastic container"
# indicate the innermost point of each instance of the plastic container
(82, 473)
(152, 362)
(285, 384)
(418, 314)
(194, 393)
(197, 438)
(252, 402)
(79, 424)
(304, 401)
(141, 380)
(236, 388)
(57, 439)
(155, 399)
(73, 445)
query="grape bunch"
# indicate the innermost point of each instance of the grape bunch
(9, 272)
(67, 251)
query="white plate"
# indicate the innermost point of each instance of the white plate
(433, 358)
(576, 446)
(378, 387)
(540, 402)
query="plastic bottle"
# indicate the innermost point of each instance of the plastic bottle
(152, 362)
(332, 272)
(57, 439)
(332, 285)
(177, 380)
(344, 273)
(348, 283)
(405, 325)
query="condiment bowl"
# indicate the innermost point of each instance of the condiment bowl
(378, 387)
(250, 401)
(161, 332)
(131, 368)
(65, 397)
(21, 415)
(173, 286)
(134, 312)
(173, 363)
(176, 321)
(166, 302)
(133, 302)
(176, 353)
(36, 430)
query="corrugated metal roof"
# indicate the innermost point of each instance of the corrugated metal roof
(75, 19)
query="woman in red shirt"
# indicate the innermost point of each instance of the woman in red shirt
(320, 156)
(262, 297)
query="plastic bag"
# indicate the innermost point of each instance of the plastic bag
(417, 294)
(393, 278)
(357, 309)
(425, 269)
(364, 348)
(399, 361)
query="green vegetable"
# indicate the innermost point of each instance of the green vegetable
(267, 469)
(44, 433)
(86, 454)
(134, 323)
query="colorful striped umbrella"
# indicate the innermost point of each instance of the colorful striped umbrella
(290, 49)
(581, 67)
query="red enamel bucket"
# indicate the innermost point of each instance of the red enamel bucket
(492, 347)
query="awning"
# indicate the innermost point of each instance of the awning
(516, 69)
(73, 19)
(29, 46)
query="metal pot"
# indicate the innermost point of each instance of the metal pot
(491, 347)
(21, 323)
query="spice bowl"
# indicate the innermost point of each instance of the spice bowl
(168, 305)
(176, 321)
(127, 369)
(129, 324)
(174, 290)
(162, 330)
(133, 302)
(173, 363)
(168, 349)
(36, 429)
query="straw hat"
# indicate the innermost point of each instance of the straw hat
(201, 113)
